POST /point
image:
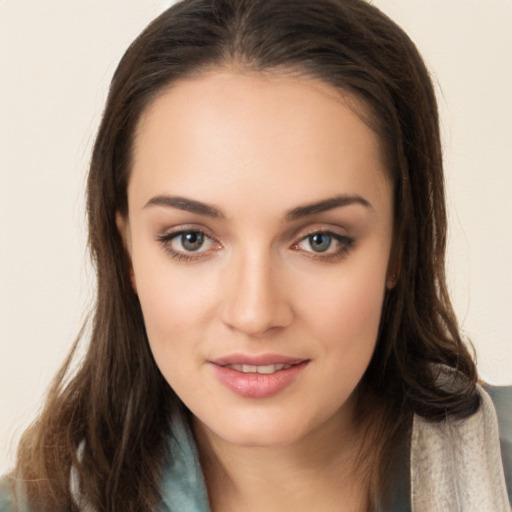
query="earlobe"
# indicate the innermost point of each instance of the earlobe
(391, 281)
(394, 267)
(124, 231)
(122, 228)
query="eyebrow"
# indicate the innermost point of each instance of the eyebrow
(188, 205)
(325, 205)
(192, 206)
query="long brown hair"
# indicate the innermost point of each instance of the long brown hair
(109, 420)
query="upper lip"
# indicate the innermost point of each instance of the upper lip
(257, 360)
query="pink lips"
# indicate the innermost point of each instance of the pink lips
(251, 384)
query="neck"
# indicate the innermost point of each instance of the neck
(305, 475)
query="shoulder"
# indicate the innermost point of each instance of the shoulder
(12, 495)
(502, 399)
(457, 464)
(7, 502)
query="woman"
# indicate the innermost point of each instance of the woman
(272, 328)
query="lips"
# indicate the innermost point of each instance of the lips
(258, 376)
(256, 360)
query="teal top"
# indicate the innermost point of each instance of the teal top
(184, 488)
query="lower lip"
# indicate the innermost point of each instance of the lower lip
(258, 385)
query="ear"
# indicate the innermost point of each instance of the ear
(394, 267)
(124, 231)
(391, 281)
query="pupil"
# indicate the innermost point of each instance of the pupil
(192, 241)
(320, 242)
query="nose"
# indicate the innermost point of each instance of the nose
(256, 300)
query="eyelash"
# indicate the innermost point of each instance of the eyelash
(346, 244)
(167, 238)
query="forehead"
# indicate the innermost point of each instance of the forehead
(240, 133)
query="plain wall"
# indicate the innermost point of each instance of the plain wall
(56, 60)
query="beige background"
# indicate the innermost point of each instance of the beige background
(56, 59)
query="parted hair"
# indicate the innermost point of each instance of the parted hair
(107, 420)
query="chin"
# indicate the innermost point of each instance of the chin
(250, 439)
(259, 430)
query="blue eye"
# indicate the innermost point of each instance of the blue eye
(188, 244)
(320, 242)
(324, 245)
(191, 241)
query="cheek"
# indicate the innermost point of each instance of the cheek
(352, 299)
(174, 312)
(344, 315)
(176, 303)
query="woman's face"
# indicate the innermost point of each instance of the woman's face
(259, 230)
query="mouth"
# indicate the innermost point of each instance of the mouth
(267, 369)
(258, 377)
(260, 361)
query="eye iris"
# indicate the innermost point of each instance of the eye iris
(192, 241)
(320, 242)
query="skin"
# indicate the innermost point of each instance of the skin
(256, 147)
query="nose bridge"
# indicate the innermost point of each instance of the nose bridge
(255, 302)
